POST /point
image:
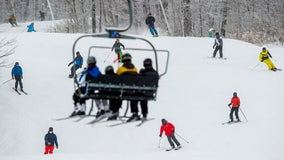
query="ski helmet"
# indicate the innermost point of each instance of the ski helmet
(264, 49)
(50, 129)
(91, 60)
(17, 63)
(164, 121)
(217, 33)
(77, 53)
(147, 62)
(235, 94)
(126, 57)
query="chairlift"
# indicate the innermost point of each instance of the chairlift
(122, 87)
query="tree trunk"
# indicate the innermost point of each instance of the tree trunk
(187, 23)
(94, 16)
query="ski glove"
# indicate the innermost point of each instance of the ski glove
(69, 64)
(229, 104)
(160, 135)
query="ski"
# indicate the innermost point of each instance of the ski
(17, 91)
(104, 116)
(65, 118)
(170, 149)
(224, 58)
(143, 121)
(177, 148)
(120, 123)
(24, 92)
(230, 122)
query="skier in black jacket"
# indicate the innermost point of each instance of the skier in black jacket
(50, 139)
(218, 45)
(150, 20)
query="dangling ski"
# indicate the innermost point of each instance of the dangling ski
(143, 121)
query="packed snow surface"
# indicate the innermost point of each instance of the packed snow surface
(193, 95)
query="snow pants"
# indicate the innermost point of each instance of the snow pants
(269, 64)
(220, 48)
(49, 149)
(73, 70)
(119, 55)
(172, 139)
(144, 107)
(236, 110)
(18, 80)
(153, 30)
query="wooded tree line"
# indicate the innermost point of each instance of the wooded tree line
(254, 21)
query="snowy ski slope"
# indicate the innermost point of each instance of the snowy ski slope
(193, 95)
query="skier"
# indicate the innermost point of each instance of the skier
(88, 74)
(235, 102)
(78, 62)
(210, 32)
(218, 45)
(31, 27)
(128, 68)
(50, 140)
(150, 20)
(17, 74)
(42, 15)
(114, 104)
(148, 70)
(12, 20)
(116, 46)
(169, 130)
(264, 57)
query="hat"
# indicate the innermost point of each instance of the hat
(263, 48)
(17, 63)
(147, 62)
(108, 68)
(50, 129)
(126, 57)
(150, 14)
(77, 52)
(235, 94)
(91, 60)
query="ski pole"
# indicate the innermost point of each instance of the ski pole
(107, 57)
(256, 65)
(181, 137)
(6, 81)
(244, 114)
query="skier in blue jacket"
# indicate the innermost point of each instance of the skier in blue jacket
(31, 27)
(50, 140)
(88, 74)
(17, 74)
(78, 62)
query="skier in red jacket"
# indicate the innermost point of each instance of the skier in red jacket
(235, 102)
(169, 130)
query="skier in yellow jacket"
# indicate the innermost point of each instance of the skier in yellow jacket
(264, 57)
